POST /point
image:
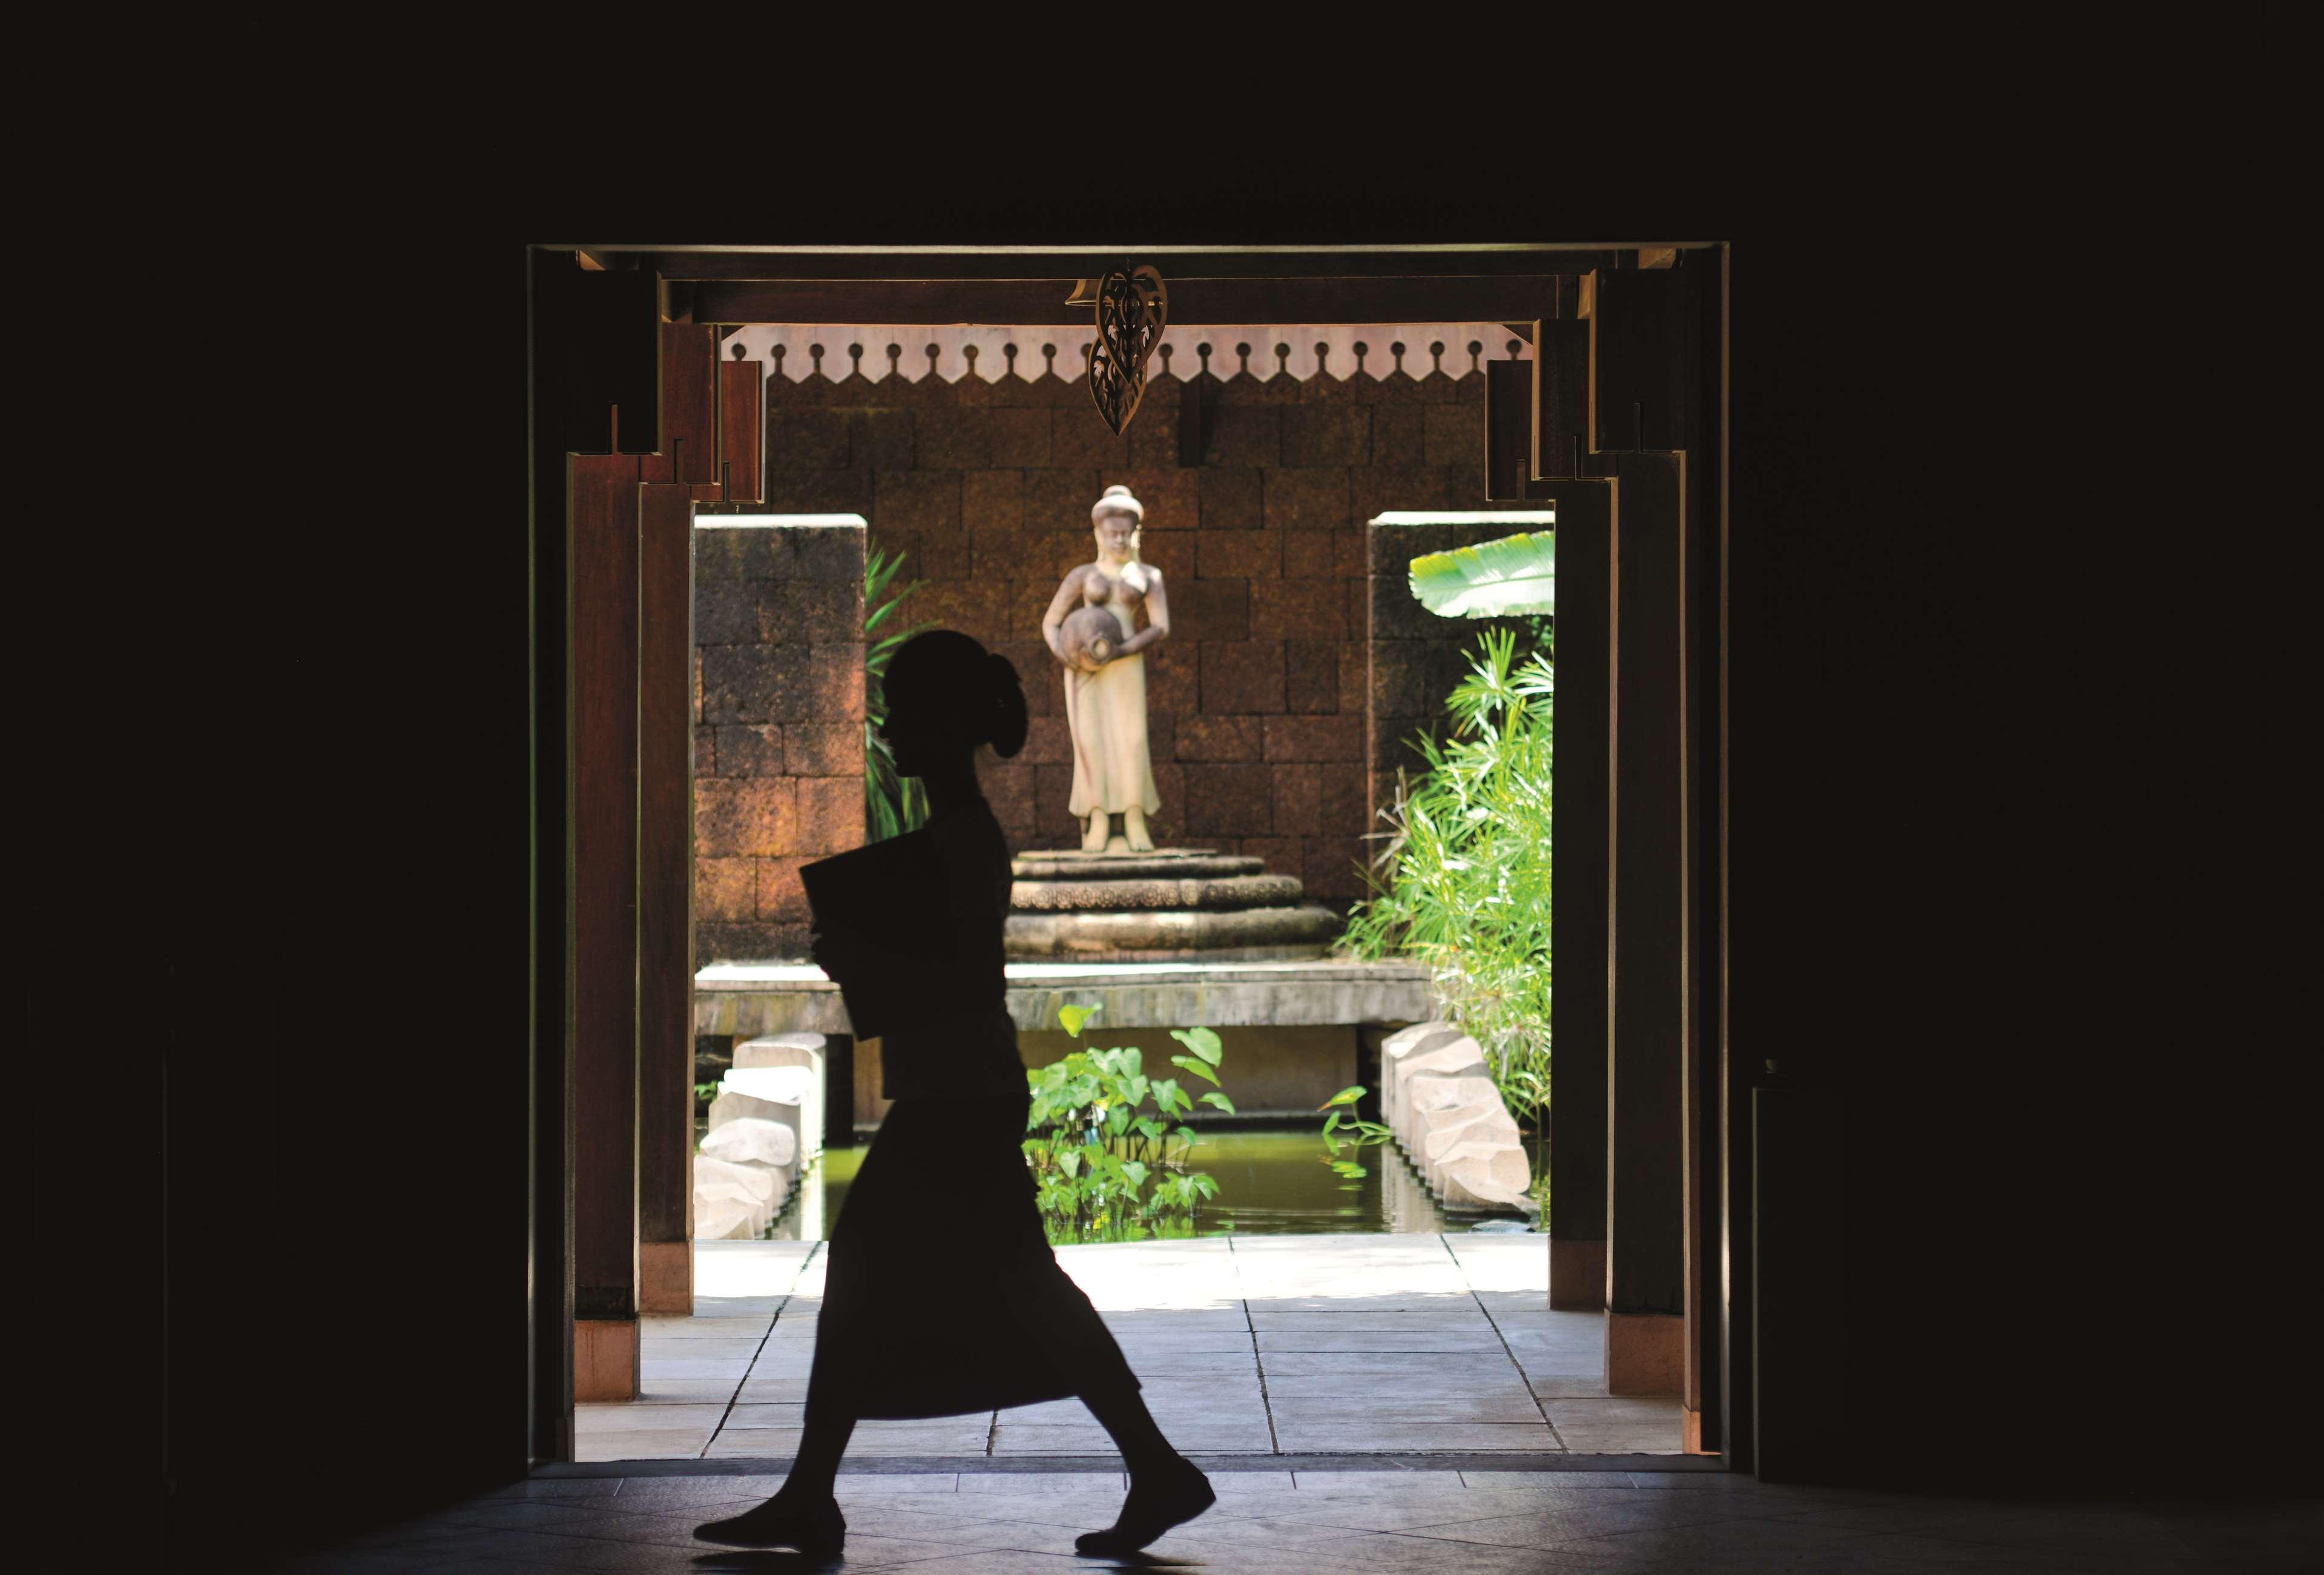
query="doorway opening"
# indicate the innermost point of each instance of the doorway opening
(1275, 725)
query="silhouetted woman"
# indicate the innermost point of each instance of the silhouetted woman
(942, 1295)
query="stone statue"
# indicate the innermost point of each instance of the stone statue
(1091, 629)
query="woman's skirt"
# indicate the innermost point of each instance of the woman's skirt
(943, 1296)
(1114, 769)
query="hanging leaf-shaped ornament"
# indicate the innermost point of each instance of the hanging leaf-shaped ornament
(1132, 309)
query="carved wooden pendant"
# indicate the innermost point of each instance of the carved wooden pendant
(1132, 309)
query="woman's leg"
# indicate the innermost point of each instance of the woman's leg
(823, 1440)
(1121, 1411)
(1166, 1488)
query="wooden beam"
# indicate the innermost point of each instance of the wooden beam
(1021, 264)
(1578, 891)
(1648, 957)
(602, 904)
(1033, 303)
(1560, 398)
(664, 897)
(741, 430)
(687, 447)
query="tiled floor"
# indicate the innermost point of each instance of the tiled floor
(1488, 1523)
(1264, 1345)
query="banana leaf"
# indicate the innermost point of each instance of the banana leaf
(1493, 579)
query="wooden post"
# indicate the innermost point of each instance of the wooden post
(601, 591)
(741, 430)
(664, 941)
(1649, 1022)
(1579, 894)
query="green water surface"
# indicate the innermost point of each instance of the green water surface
(1271, 1182)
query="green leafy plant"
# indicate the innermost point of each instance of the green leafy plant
(1343, 1129)
(1462, 880)
(892, 803)
(1105, 1168)
(1493, 579)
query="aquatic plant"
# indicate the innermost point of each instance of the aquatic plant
(1342, 1129)
(1093, 1148)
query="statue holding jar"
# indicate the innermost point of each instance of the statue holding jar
(1093, 628)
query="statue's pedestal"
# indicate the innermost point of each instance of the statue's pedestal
(1172, 905)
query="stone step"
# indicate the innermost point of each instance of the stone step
(1154, 893)
(1162, 863)
(1150, 935)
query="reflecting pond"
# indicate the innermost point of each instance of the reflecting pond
(1272, 1182)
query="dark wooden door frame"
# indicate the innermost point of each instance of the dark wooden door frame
(587, 359)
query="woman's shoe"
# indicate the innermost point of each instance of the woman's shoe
(817, 1529)
(1154, 1505)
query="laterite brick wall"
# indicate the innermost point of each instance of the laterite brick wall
(1257, 699)
(778, 726)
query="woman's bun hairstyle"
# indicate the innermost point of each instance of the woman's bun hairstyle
(1008, 721)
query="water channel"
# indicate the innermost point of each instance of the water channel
(1271, 1182)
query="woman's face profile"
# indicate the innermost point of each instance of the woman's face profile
(917, 730)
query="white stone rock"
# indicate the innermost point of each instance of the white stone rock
(752, 1141)
(1456, 1058)
(781, 1084)
(758, 1182)
(1486, 1173)
(722, 1220)
(781, 1050)
(1418, 1036)
(731, 1106)
(792, 1093)
(1442, 1126)
(761, 1188)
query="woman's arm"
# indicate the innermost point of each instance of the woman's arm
(1068, 597)
(1158, 617)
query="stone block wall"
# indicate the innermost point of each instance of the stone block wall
(1259, 698)
(778, 724)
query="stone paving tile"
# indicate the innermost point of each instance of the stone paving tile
(1512, 1405)
(664, 1348)
(645, 1494)
(570, 1488)
(1481, 1338)
(1417, 1368)
(642, 1416)
(1563, 1481)
(1368, 1382)
(1582, 1439)
(1393, 1435)
(990, 1483)
(754, 1307)
(1399, 1298)
(1605, 1411)
(704, 1326)
(1200, 1319)
(730, 1367)
(1496, 1523)
(1334, 1482)
(676, 1445)
(1462, 1313)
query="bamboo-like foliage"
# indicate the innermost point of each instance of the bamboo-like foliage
(892, 804)
(1461, 880)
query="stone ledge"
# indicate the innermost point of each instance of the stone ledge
(1150, 894)
(1162, 863)
(751, 999)
(1293, 930)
